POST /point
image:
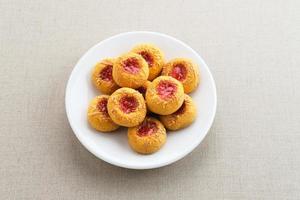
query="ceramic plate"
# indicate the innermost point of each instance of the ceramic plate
(113, 148)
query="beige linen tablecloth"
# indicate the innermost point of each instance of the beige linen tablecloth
(252, 48)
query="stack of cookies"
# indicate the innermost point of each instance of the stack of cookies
(142, 92)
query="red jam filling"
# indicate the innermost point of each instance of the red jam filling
(128, 104)
(102, 106)
(181, 110)
(142, 90)
(147, 57)
(147, 128)
(179, 72)
(166, 89)
(131, 65)
(106, 73)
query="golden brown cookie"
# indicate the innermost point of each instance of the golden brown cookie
(185, 71)
(154, 57)
(127, 107)
(130, 70)
(164, 95)
(98, 116)
(102, 76)
(148, 137)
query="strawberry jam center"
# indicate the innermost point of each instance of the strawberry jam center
(147, 57)
(179, 72)
(128, 104)
(181, 110)
(166, 89)
(131, 65)
(106, 73)
(102, 106)
(147, 128)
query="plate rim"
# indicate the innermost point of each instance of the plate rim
(119, 164)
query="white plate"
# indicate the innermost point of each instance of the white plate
(113, 148)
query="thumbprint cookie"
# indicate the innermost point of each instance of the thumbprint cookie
(98, 116)
(102, 76)
(130, 70)
(185, 71)
(153, 56)
(164, 95)
(148, 137)
(127, 107)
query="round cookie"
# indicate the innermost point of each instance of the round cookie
(127, 107)
(102, 76)
(185, 71)
(153, 56)
(164, 95)
(148, 137)
(130, 70)
(98, 116)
